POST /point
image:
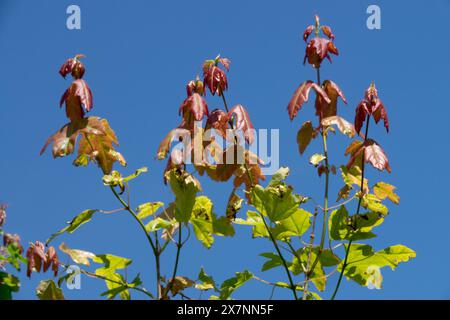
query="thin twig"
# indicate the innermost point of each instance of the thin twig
(175, 266)
(347, 251)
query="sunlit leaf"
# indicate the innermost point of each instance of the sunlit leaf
(362, 256)
(301, 96)
(204, 281)
(316, 159)
(293, 226)
(76, 222)
(230, 285)
(384, 190)
(47, 290)
(343, 125)
(277, 203)
(78, 256)
(147, 209)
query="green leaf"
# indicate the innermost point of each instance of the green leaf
(279, 176)
(318, 276)
(362, 258)
(158, 223)
(47, 290)
(78, 256)
(118, 287)
(8, 284)
(304, 136)
(326, 259)
(206, 281)
(372, 203)
(230, 285)
(202, 208)
(203, 231)
(76, 222)
(357, 227)
(316, 159)
(384, 190)
(278, 203)
(255, 220)
(111, 263)
(185, 189)
(295, 225)
(147, 209)
(273, 261)
(222, 226)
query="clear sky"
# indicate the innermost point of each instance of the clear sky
(140, 54)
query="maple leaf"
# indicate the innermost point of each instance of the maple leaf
(372, 153)
(243, 122)
(78, 99)
(99, 148)
(73, 66)
(326, 109)
(301, 96)
(195, 86)
(218, 120)
(371, 105)
(194, 105)
(214, 77)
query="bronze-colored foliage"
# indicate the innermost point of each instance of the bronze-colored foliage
(325, 109)
(319, 48)
(97, 138)
(243, 122)
(371, 105)
(373, 154)
(301, 96)
(38, 258)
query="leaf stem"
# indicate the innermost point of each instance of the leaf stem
(93, 275)
(177, 258)
(155, 249)
(291, 282)
(230, 122)
(347, 251)
(308, 264)
(325, 205)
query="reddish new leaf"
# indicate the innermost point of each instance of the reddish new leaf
(73, 66)
(225, 62)
(326, 109)
(380, 113)
(195, 86)
(243, 122)
(51, 261)
(218, 120)
(371, 106)
(361, 114)
(308, 32)
(36, 257)
(372, 153)
(78, 95)
(319, 49)
(301, 96)
(215, 79)
(196, 106)
(327, 31)
(164, 146)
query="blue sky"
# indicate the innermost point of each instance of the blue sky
(140, 54)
